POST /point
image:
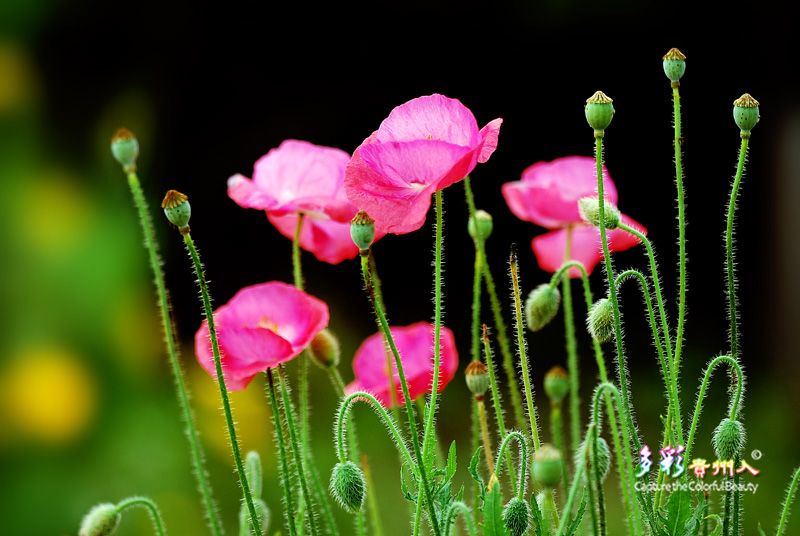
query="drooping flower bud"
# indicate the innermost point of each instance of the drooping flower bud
(125, 148)
(477, 378)
(728, 439)
(325, 349)
(517, 517)
(482, 222)
(602, 461)
(599, 112)
(541, 306)
(547, 465)
(177, 209)
(255, 478)
(601, 320)
(745, 113)
(348, 486)
(362, 230)
(102, 520)
(556, 384)
(590, 212)
(674, 65)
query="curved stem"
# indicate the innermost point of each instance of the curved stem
(787, 502)
(155, 515)
(732, 315)
(676, 100)
(223, 391)
(523, 466)
(457, 507)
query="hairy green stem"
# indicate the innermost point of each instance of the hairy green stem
(731, 269)
(572, 349)
(787, 502)
(676, 100)
(453, 512)
(155, 515)
(277, 425)
(497, 401)
(523, 466)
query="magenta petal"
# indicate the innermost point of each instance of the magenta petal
(490, 134)
(433, 117)
(244, 192)
(328, 240)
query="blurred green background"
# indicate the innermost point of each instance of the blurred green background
(87, 407)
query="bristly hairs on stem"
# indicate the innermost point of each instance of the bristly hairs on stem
(787, 502)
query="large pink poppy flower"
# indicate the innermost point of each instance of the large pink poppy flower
(261, 327)
(296, 177)
(548, 195)
(415, 344)
(423, 146)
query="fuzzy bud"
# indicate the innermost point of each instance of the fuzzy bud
(362, 230)
(556, 384)
(601, 320)
(482, 222)
(603, 460)
(325, 349)
(477, 378)
(547, 466)
(590, 212)
(348, 486)
(517, 517)
(102, 520)
(745, 113)
(125, 148)
(177, 210)
(599, 112)
(674, 65)
(728, 439)
(262, 511)
(255, 478)
(541, 306)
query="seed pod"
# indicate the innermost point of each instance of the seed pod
(348, 486)
(102, 520)
(674, 64)
(599, 112)
(177, 209)
(541, 306)
(556, 384)
(325, 349)
(547, 465)
(477, 377)
(482, 222)
(362, 230)
(125, 148)
(745, 113)
(517, 517)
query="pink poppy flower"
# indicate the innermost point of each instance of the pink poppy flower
(415, 344)
(302, 177)
(261, 327)
(423, 146)
(548, 195)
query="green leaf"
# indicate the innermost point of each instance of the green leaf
(539, 526)
(573, 527)
(695, 522)
(451, 462)
(404, 487)
(646, 504)
(679, 511)
(473, 470)
(760, 530)
(493, 513)
(718, 528)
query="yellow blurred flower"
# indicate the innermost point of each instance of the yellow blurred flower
(17, 80)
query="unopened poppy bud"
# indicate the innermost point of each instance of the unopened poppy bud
(556, 384)
(745, 113)
(362, 230)
(348, 486)
(262, 511)
(481, 222)
(602, 461)
(177, 209)
(590, 212)
(599, 112)
(601, 320)
(517, 517)
(674, 65)
(541, 306)
(547, 465)
(125, 148)
(325, 349)
(101, 520)
(255, 477)
(477, 377)
(728, 439)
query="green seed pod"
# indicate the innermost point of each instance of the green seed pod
(517, 517)
(599, 112)
(177, 210)
(556, 384)
(484, 224)
(590, 212)
(547, 465)
(541, 306)
(601, 320)
(674, 65)
(125, 148)
(362, 230)
(603, 460)
(348, 486)
(325, 349)
(728, 439)
(477, 378)
(745, 113)
(102, 520)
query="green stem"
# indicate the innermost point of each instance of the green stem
(572, 349)
(476, 305)
(577, 481)
(172, 351)
(732, 314)
(523, 466)
(558, 437)
(457, 507)
(284, 472)
(497, 401)
(372, 503)
(787, 502)
(598, 482)
(487, 442)
(212, 331)
(152, 509)
(676, 100)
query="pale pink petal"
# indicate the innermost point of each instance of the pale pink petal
(433, 117)
(245, 193)
(328, 240)
(490, 134)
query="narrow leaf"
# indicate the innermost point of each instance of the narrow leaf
(493, 513)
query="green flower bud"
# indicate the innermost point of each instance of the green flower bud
(177, 209)
(362, 230)
(102, 520)
(348, 486)
(556, 384)
(745, 113)
(728, 439)
(254, 473)
(599, 112)
(125, 148)
(517, 517)
(602, 462)
(477, 377)
(674, 65)
(590, 212)
(484, 224)
(262, 511)
(325, 349)
(547, 465)
(601, 320)
(541, 306)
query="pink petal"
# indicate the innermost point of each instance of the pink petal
(433, 117)
(245, 193)
(490, 134)
(328, 240)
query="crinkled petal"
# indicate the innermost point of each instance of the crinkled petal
(433, 117)
(490, 135)
(245, 193)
